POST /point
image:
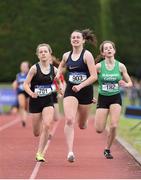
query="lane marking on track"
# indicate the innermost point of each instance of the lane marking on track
(7, 125)
(38, 164)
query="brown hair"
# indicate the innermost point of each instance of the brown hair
(100, 56)
(55, 61)
(88, 35)
(25, 62)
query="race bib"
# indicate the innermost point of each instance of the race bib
(110, 87)
(77, 77)
(43, 90)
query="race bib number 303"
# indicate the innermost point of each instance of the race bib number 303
(77, 77)
(43, 90)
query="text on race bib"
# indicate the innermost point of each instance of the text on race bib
(110, 87)
(43, 90)
(77, 77)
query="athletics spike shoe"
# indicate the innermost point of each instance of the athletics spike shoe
(71, 157)
(40, 157)
(107, 154)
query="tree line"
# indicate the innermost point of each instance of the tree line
(25, 24)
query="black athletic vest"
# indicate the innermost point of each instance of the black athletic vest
(78, 65)
(42, 79)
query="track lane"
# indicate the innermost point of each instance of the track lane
(90, 162)
(18, 148)
(17, 151)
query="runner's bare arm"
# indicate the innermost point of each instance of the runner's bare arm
(126, 82)
(27, 82)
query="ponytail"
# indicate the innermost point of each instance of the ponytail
(88, 35)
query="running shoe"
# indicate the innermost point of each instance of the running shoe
(107, 154)
(23, 123)
(40, 157)
(84, 125)
(49, 136)
(71, 157)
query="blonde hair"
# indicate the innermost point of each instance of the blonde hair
(43, 44)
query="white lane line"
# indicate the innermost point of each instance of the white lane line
(38, 164)
(7, 125)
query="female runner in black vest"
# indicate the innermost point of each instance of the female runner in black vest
(38, 85)
(79, 90)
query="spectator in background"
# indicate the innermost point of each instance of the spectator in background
(22, 96)
(14, 108)
(133, 92)
(139, 91)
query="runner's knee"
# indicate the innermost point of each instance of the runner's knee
(46, 126)
(113, 126)
(69, 121)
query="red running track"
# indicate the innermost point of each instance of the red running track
(18, 147)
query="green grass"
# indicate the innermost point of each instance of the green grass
(133, 137)
(125, 131)
(5, 85)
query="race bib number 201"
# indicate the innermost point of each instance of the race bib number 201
(43, 90)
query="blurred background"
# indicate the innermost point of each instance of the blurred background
(25, 24)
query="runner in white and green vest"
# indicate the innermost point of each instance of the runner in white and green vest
(111, 75)
(108, 80)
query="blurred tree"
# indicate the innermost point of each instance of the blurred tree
(125, 16)
(25, 24)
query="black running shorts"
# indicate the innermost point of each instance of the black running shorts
(84, 96)
(106, 101)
